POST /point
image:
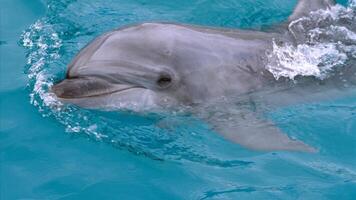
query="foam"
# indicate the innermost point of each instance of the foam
(324, 40)
(304, 60)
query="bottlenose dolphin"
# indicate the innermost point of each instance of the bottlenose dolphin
(165, 65)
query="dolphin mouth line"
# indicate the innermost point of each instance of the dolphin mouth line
(97, 94)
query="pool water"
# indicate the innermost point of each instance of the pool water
(51, 151)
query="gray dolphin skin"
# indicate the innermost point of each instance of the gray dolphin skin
(165, 66)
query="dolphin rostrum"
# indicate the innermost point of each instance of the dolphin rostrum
(164, 65)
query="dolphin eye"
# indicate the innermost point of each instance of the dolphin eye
(164, 81)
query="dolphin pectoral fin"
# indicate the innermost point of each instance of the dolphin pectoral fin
(257, 134)
(304, 7)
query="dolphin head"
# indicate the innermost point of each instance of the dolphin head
(141, 67)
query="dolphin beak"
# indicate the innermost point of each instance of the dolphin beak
(84, 87)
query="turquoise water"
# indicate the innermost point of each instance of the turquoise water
(52, 152)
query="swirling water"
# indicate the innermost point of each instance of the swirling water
(55, 151)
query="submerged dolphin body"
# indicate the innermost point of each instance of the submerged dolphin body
(161, 65)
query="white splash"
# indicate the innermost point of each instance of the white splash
(324, 41)
(43, 44)
(42, 48)
(304, 60)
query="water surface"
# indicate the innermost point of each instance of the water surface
(49, 151)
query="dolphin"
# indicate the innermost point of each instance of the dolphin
(167, 65)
